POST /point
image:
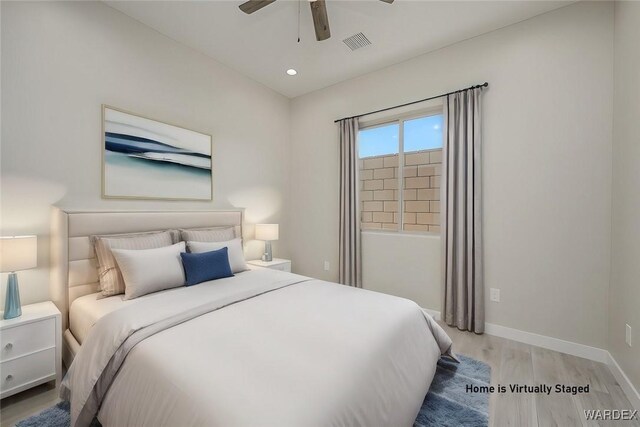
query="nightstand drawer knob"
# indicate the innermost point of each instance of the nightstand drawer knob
(9, 377)
(9, 346)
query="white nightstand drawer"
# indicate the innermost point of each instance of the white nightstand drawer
(27, 338)
(276, 264)
(282, 267)
(24, 370)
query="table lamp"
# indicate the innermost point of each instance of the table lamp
(16, 253)
(267, 232)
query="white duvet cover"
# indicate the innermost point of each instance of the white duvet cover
(264, 348)
(88, 309)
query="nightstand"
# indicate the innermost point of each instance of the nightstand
(276, 264)
(30, 348)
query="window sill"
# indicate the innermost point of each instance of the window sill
(419, 234)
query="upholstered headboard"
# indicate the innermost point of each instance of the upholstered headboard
(73, 261)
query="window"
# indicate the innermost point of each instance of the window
(416, 144)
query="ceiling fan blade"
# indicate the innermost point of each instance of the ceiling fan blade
(253, 5)
(387, 1)
(320, 19)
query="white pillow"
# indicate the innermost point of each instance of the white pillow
(150, 270)
(234, 248)
(111, 281)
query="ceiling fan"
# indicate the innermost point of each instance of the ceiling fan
(318, 10)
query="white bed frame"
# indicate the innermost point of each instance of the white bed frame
(73, 262)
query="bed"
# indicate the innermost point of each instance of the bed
(263, 347)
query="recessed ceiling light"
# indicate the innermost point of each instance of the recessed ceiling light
(292, 72)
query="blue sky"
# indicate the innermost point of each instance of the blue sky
(419, 134)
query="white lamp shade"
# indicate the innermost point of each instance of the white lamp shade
(18, 253)
(267, 231)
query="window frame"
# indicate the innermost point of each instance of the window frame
(398, 119)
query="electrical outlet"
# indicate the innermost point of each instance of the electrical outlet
(327, 266)
(494, 294)
(627, 335)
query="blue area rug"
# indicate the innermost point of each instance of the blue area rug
(56, 416)
(447, 403)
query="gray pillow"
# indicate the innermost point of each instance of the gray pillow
(212, 234)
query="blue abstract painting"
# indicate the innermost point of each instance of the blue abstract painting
(144, 158)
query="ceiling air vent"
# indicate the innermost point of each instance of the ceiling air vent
(357, 41)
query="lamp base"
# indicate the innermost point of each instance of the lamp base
(267, 257)
(12, 300)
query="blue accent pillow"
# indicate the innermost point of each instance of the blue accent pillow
(206, 266)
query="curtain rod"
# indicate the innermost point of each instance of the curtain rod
(485, 84)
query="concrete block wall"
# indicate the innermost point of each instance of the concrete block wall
(379, 191)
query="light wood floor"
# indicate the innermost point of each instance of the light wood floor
(19, 406)
(511, 362)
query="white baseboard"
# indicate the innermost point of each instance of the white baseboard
(556, 344)
(562, 346)
(624, 381)
(568, 347)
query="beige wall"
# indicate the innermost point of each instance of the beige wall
(379, 191)
(384, 255)
(62, 60)
(624, 298)
(547, 216)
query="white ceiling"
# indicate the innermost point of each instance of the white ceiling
(264, 45)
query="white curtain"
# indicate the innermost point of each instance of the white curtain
(350, 265)
(461, 207)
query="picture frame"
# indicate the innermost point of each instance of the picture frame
(148, 159)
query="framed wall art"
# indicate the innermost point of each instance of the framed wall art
(148, 159)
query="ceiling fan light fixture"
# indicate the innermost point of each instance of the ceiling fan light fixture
(291, 72)
(318, 12)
